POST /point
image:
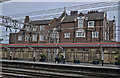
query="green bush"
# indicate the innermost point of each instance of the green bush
(117, 58)
(43, 56)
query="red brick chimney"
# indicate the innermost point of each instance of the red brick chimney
(74, 13)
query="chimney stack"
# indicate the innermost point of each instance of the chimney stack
(74, 13)
(92, 11)
(27, 19)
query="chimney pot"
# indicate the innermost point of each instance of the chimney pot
(74, 13)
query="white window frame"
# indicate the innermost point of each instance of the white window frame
(67, 35)
(41, 38)
(80, 31)
(77, 34)
(19, 37)
(34, 37)
(82, 24)
(89, 24)
(95, 34)
(26, 37)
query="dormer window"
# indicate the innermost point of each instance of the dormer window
(91, 24)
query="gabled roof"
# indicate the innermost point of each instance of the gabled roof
(91, 16)
(69, 18)
(62, 15)
(40, 22)
(95, 16)
(81, 14)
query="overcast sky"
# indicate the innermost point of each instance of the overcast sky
(9, 8)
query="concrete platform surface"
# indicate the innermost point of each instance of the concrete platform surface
(106, 66)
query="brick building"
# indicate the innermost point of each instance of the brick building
(74, 28)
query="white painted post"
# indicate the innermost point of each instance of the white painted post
(64, 53)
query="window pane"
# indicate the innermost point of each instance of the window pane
(19, 37)
(41, 38)
(80, 23)
(90, 23)
(26, 37)
(34, 38)
(67, 35)
(80, 34)
(94, 34)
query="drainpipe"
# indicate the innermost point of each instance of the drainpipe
(74, 30)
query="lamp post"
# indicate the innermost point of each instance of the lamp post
(74, 30)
